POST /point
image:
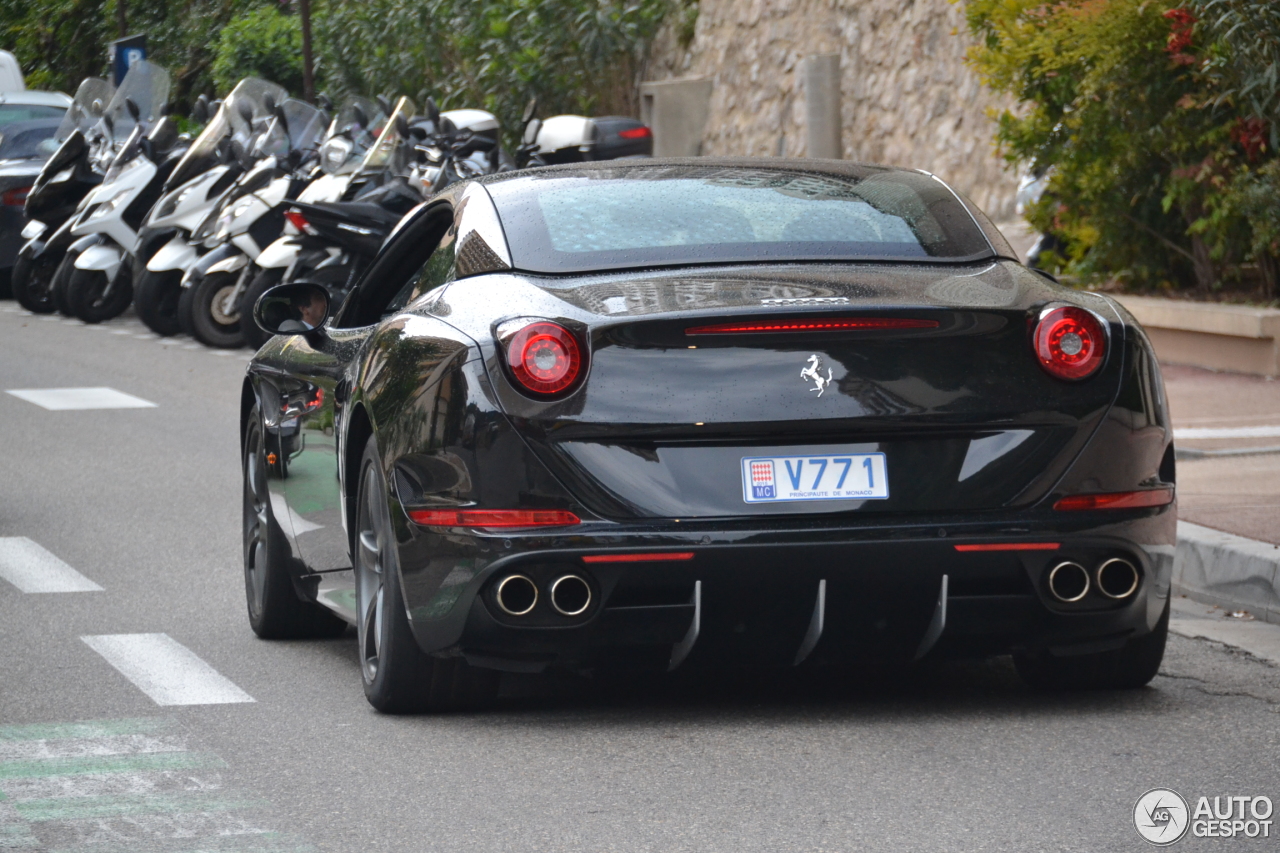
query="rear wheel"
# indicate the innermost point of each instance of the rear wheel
(275, 610)
(32, 280)
(94, 297)
(206, 314)
(156, 300)
(398, 676)
(1126, 668)
(254, 335)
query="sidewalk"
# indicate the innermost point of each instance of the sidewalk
(1227, 431)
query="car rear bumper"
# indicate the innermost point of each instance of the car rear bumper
(784, 596)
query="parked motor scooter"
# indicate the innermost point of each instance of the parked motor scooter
(579, 139)
(100, 285)
(249, 218)
(218, 157)
(67, 177)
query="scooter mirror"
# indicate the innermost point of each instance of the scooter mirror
(246, 112)
(133, 109)
(402, 126)
(292, 309)
(268, 103)
(530, 110)
(384, 103)
(200, 110)
(167, 109)
(432, 111)
(324, 102)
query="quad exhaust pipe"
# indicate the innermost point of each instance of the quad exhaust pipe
(1116, 578)
(517, 595)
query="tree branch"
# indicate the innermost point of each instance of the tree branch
(1154, 233)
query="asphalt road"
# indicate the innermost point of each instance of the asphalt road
(144, 503)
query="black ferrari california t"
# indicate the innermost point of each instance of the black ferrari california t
(703, 413)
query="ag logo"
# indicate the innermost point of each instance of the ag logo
(1161, 816)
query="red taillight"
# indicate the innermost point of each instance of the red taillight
(493, 517)
(659, 557)
(840, 324)
(15, 197)
(544, 358)
(1117, 500)
(297, 220)
(636, 133)
(1009, 546)
(1070, 343)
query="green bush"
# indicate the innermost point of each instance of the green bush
(260, 42)
(1147, 117)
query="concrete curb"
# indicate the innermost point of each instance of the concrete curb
(1230, 571)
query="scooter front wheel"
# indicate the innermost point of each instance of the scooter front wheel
(156, 301)
(61, 280)
(32, 281)
(206, 313)
(94, 297)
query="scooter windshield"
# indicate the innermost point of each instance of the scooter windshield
(352, 132)
(87, 108)
(388, 153)
(147, 85)
(227, 123)
(300, 130)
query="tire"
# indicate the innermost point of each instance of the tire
(1126, 668)
(61, 278)
(253, 334)
(399, 678)
(156, 301)
(276, 612)
(201, 313)
(94, 298)
(32, 280)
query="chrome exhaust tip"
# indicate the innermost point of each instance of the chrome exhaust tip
(1068, 582)
(1117, 578)
(570, 595)
(516, 595)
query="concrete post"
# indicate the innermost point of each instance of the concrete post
(676, 112)
(822, 106)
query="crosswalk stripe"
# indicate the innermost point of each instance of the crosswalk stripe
(31, 568)
(75, 399)
(165, 670)
(1191, 433)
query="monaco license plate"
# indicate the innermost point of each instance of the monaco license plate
(843, 477)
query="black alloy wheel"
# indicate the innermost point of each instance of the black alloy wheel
(399, 678)
(32, 281)
(94, 297)
(156, 301)
(1126, 668)
(61, 279)
(205, 312)
(275, 609)
(254, 335)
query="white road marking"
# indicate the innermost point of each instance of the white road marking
(1188, 433)
(166, 670)
(62, 399)
(31, 568)
(121, 332)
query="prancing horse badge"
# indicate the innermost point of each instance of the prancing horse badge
(813, 373)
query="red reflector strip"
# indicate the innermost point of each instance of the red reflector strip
(15, 197)
(493, 517)
(1117, 500)
(842, 324)
(1010, 546)
(297, 220)
(661, 557)
(636, 133)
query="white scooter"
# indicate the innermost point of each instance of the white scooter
(248, 218)
(100, 285)
(216, 160)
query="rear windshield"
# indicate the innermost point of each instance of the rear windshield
(670, 215)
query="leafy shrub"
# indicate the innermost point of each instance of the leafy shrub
(261, 42)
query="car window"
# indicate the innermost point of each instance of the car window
(437, 271)
(634, 216)
(390, 282)
(10, 113)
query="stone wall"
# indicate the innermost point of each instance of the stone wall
(907, 97)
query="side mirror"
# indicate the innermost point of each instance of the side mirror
(530, 110)
(324, 102)
(292, 309)
(200, 111)
(268, 103)
(384, 103)
(246, 112)
(433, 111)
(133, 109)
(402, 126)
